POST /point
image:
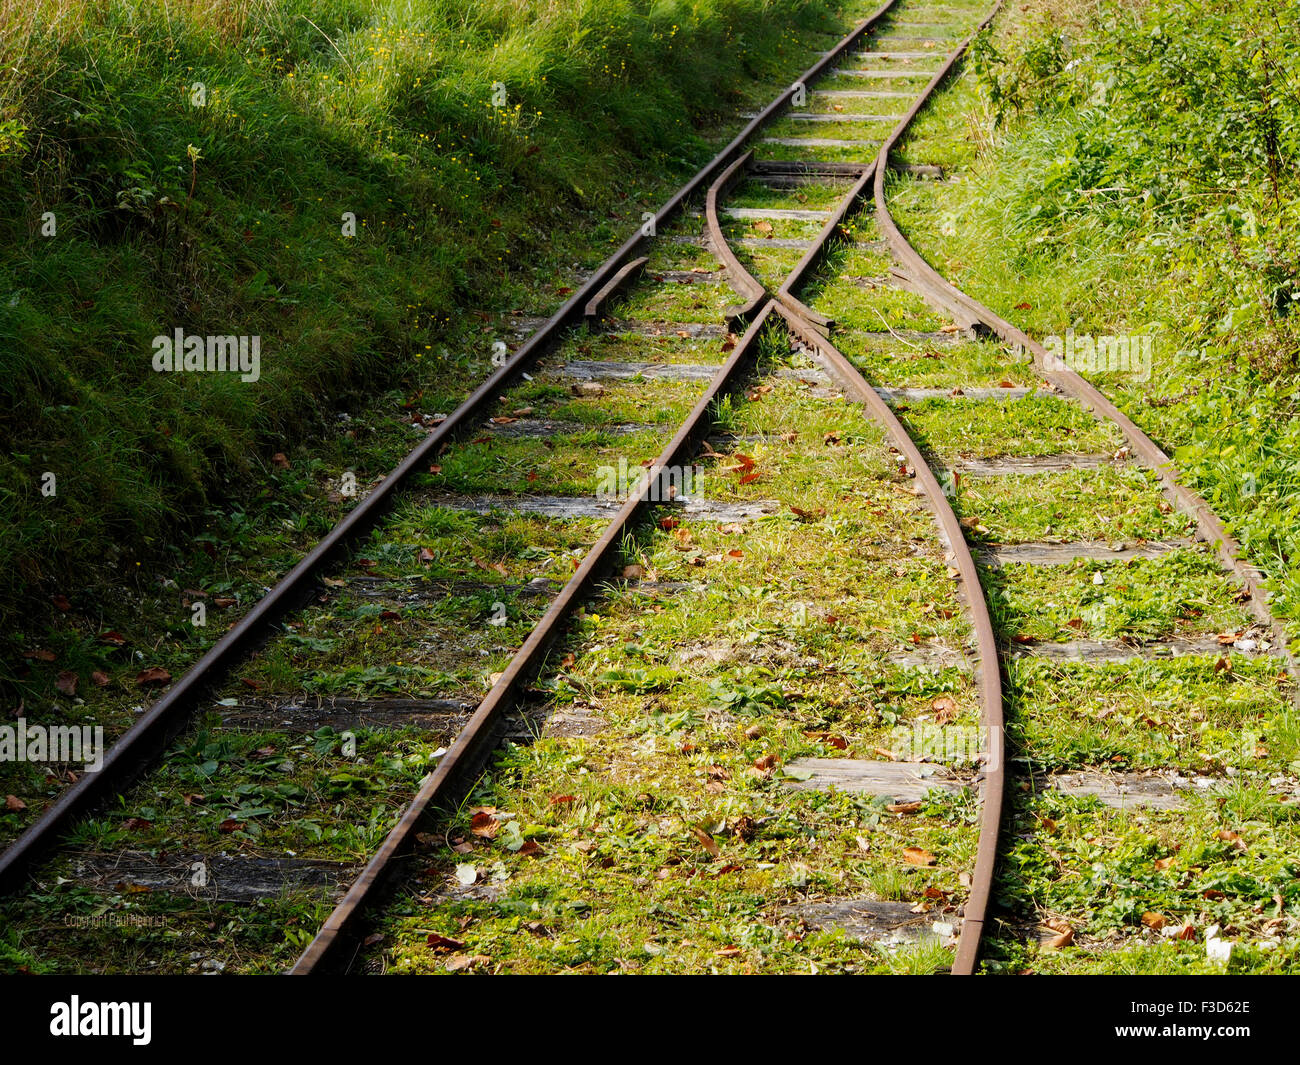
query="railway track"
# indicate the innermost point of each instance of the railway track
(726, 382)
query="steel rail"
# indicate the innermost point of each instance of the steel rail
(810, 329)
(330, 946)
(940, 292)
(142, 742)
(989, 674)
(746, 285)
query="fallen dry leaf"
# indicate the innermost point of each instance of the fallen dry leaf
(485, 826)
(917, 856)
(153, 676)
(707, 842)
(1064, 939)
(945, 709)
(13, 803)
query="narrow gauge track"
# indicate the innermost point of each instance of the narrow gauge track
(770, 305)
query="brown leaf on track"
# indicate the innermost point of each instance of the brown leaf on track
(735, 552)
(152, 677)
(732, 528)
(668, 524)
(707, 842)
(66, 682)
(61, 602)
(729, 343)
(917, 856)
(768, 761)
(1154, 920)
(100, 678)
(945, 709)
(500, 568)
(248, 682)
(485, 826)
(280, 461)
(762, 226)
(1162, 864)
(529, 849)
(1187, 932)
(41, 655)
(504, 420)
(902, 807)
(568, 661)
(808, 515)
(633, 572)
(440, 943)
(230, 825)
(750, 478)
(134, 824)
(1228, 836)
(112, 637)
(727, 952)
(1024, 306)
(372, 939)
(435, 468)
(1047, 825)
(14, 804)
(1064, 939)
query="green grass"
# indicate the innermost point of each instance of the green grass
(1178, 594)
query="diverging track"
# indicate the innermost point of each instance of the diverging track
(681, 644)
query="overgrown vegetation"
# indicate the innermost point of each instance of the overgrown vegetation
(1135, 169)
